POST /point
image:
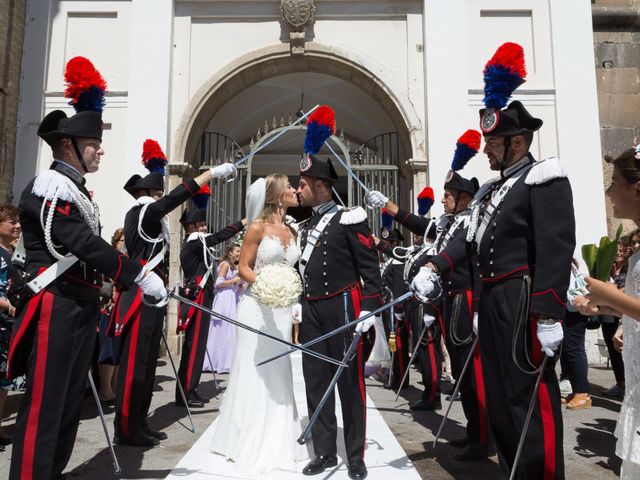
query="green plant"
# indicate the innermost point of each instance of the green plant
(599, 259)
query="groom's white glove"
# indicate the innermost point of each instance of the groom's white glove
(151, 284)
(475, 323)
(223, 171)
(424, 281)
(377, 199)
(428, 320)
(365, 325)
(296, 313)
(550, 337)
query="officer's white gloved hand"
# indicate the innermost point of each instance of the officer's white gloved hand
(377, 199)
(365, 325)
(151, 285)
(424, 281)
(550, 337)
(223, 171)
(398, 316)
(428, 320)
(475, 323)
(296, 313)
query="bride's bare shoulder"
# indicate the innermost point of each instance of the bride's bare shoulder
(255, 229)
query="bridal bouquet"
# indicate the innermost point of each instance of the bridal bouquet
(277, 286)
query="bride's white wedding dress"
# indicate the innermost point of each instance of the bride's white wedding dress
(258, 424)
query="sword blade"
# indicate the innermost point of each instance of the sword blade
(341, 329)
(514, 468)
(467, 362)
(406, 372)
(253, 330)
(116, 465)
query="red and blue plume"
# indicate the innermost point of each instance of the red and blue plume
(201, 198)
(466, 148)
(387, 219)
(153, 158)
(425, 200)
(85, 86)
(320, 126)
(503, 74)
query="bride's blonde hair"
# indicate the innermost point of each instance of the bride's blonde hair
(274, 187)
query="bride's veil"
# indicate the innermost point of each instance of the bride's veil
(254, 200)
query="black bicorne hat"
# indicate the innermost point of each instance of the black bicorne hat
(313, 167)
(392, 235)
(57, 125)
(513, 120)
(455, 181)
(193, 216)
(152, 181)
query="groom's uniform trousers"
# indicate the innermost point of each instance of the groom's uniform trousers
(192, 321)
(341, 278)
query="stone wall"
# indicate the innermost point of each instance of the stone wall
(12, 22)
(616, 37)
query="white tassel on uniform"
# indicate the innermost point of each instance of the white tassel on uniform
(544, 171)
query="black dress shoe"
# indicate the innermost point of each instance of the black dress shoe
(459, 442)
(320, 464)
(4, 441)
(422, 405)
(155, 434)
(197, 396)
(455, 399)
(357, 470)
(474, 453)
(140, 439)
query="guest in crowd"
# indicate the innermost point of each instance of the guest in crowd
(109, 347)
(222, 335)
(9, 223)
(604, 297)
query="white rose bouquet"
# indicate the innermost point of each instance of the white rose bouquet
(277, 286)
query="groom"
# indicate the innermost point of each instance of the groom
(341, 277)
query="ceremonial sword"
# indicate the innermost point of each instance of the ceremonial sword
(180, 389)
(116, 466)
(340, 329)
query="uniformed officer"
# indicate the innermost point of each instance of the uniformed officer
(146, 240)
(341, 277)
(523, 230)
(198, 267)
(54, 334)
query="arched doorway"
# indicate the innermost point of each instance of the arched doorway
(260, 95)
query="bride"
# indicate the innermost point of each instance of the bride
(258, 423)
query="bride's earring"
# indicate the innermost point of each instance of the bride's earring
(279, 204)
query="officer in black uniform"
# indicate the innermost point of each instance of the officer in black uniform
(458, 303)
(146, 240)
(393, 281)
(199, 273)
(523, 230)
(341, 278)
(54, 334)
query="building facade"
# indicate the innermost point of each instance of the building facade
(212, 80)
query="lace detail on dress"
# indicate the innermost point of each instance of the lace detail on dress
(628, 428)
(272, 250)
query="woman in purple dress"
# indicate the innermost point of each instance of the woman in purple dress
(222, 335)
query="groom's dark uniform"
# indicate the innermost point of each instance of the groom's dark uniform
(341, 276)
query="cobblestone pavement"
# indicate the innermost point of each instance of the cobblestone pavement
(589, 442)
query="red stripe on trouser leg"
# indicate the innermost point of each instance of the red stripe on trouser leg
(194, 349)
(434, 373)
(37, 389)
(549, 432)
(477, 368)
(355, 299)
(131, 361)
(546, 410)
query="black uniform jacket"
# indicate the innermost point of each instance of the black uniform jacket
(414, 223)
(128, 303)
(194, 268)
(344, 257)
(69, 233)
(531, 234)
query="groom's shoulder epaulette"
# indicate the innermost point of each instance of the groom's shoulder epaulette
(353, 215)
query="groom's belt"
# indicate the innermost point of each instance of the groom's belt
(312, 295)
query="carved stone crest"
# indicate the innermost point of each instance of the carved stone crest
(297, 13)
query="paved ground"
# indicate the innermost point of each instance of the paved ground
(589, 441)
